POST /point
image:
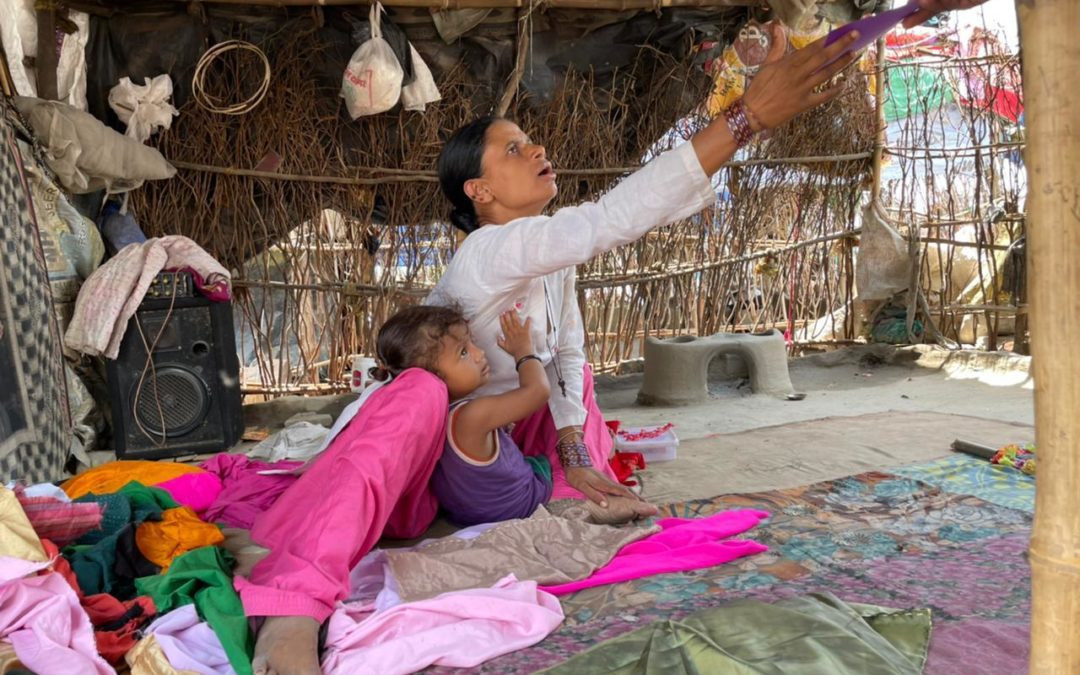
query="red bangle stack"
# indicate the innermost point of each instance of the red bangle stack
(738, 121)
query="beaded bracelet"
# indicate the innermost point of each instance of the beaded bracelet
(738, 122)
(523, 359)
(573, 454)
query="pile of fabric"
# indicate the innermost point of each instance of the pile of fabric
(124, 564)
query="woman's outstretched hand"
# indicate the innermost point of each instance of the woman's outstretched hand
(788, 84)
(931, 8)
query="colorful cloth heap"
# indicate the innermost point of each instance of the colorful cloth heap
(1016, 456)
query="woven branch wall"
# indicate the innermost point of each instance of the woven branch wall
(348, 229)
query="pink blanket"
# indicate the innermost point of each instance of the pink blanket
(459, 630)
(42, 619)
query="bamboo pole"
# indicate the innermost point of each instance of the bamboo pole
(524, 28)
(1051, 61)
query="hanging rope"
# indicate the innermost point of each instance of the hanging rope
(215, 104)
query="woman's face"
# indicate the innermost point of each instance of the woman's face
(516, 173)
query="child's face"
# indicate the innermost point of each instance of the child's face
(517, 173)
(461, 364)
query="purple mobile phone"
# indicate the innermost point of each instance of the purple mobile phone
(870, 28)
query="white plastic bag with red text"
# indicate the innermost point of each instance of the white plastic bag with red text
(372, 80)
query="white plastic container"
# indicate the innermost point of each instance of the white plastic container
(662, 448)
(360, 377)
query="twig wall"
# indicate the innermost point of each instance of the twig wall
(348, 226)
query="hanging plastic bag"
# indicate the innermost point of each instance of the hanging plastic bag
(145, 108)
(422, 90)
(372, 80)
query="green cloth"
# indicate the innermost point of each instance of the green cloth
(204, 576)
(147, 503)
(914, 90)
(813, 634)
(111, 561)
(111, 565)
(115, 515)
(541, 467)
(132, 503)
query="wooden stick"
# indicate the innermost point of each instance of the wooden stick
(414, 177)
(512, 84)
(879, 114)
(695, 268)
(416, 291)
(1051, 61)
(404, 176)
(6, 84)
(46, 62)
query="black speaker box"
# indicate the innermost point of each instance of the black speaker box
(186, 399)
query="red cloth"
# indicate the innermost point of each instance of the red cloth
(61, 566)
(371, 480)
(537, 435)
(624, 464)
(105, 611)
(62, 522)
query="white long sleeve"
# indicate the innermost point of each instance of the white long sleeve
(568, 410)
(498, 268)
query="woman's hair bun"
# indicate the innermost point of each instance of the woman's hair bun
(464, 220)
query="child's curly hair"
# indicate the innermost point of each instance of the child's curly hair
(412, 338)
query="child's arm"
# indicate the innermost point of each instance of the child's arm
(487, 413)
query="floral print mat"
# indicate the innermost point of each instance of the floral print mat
(876, 538)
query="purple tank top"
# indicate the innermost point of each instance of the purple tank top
(502, 488)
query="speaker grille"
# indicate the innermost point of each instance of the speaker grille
(177, 396)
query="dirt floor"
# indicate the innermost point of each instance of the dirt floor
(740, 442)
(992, 391)
(851, 381)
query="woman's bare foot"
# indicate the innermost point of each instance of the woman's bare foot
(287, 645)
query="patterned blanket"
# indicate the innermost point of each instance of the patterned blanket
(876, 538)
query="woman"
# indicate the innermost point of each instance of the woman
(373, 477)
(513, 257)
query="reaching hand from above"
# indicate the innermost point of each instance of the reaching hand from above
(931, 8)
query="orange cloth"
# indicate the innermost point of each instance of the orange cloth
(108, 478)
(178, 532)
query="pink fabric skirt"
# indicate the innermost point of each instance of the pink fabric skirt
(536, 435)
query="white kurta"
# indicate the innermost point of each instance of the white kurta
(498, 268)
